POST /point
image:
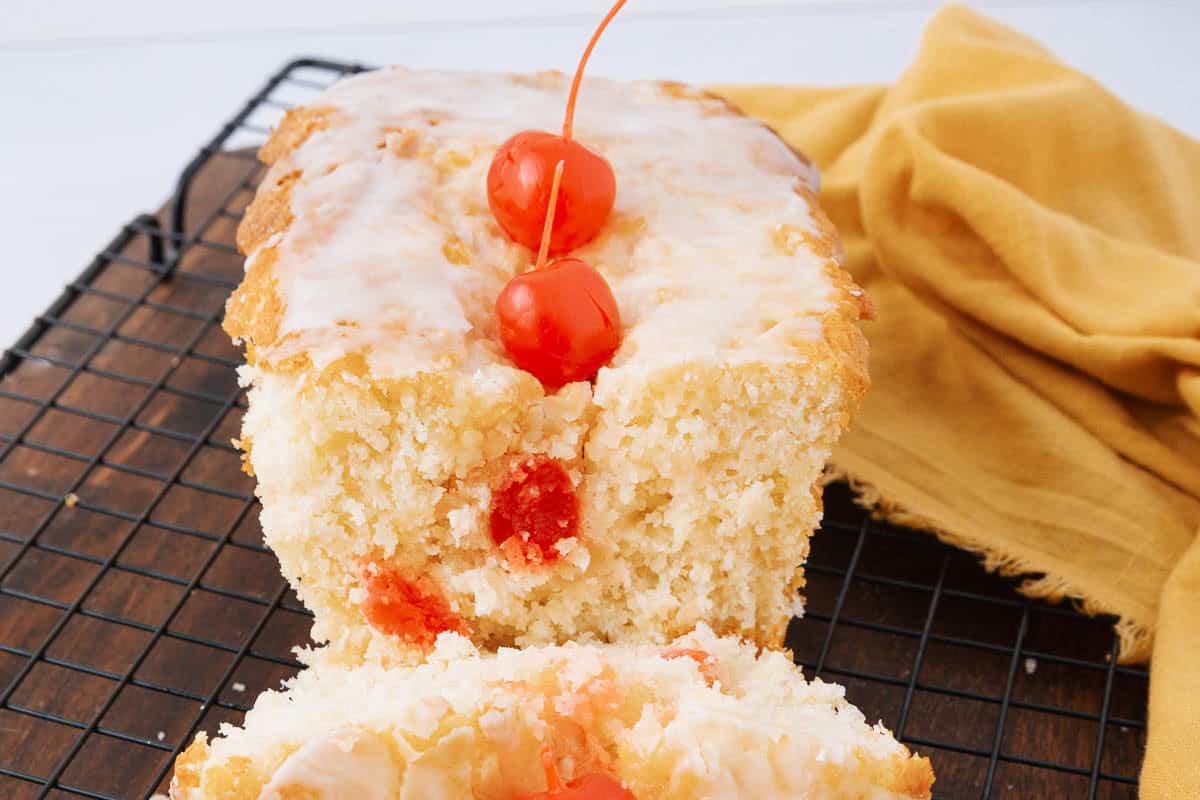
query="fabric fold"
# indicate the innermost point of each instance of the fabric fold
(1032, 247)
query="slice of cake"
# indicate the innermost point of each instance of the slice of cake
(414, 480)
(702, 718)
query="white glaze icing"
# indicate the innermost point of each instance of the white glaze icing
(402, 166)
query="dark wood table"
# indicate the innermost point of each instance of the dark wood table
(138, 603)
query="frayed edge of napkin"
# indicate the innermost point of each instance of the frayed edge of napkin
(1135, 638)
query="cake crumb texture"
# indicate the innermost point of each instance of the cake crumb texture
(385, 418)
(472, 725)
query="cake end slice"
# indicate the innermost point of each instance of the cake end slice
(705, 717)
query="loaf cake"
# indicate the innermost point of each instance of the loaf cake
(414, 480)
(702, 718)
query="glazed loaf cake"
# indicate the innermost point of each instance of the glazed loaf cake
(413, 480)
(703, 718)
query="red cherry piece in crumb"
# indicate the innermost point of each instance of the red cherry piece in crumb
(518, 190)
(559, 323)
(533, 509)
(593, 786)
(596, 786)
(704, 660)
(413, 609)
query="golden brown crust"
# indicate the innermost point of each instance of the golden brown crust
(800, 155)
(296, 126)
(775, 636)
(905, 775)
(254, 310)
(270, 212)
(913, 778)
(235, 778)
(189, 767)
(683, 91)
(849, 347)
(542, 79)
(844, 337)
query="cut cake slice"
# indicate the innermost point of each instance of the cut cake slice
(703, 718)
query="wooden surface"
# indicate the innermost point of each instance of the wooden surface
(968, 641)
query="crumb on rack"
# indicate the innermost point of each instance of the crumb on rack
(1030, 666)
(238, 687)
(160, 735)
(71, 500)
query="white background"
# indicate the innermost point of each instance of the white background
(101, 103)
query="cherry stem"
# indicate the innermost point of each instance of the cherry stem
(544, 247)
(569, 120)
(553, 782)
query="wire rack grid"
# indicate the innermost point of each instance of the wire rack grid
(138, 604)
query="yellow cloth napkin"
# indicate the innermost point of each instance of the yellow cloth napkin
(1032, 248)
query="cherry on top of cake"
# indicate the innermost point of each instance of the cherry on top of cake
(548, 191)
(559, 320)
(375, 237)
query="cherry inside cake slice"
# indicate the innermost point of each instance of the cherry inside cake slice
(415, 480)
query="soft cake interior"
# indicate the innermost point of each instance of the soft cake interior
(385, 419)
(695, 486)
(703, 718)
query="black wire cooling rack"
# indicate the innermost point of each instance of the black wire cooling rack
(138, 604)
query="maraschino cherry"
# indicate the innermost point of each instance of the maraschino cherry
(533, 510)
(558, 322)
(595, 786)
(413, 609)
(518, 182)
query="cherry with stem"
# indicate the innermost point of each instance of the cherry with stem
(558, 321)
(520, 176)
